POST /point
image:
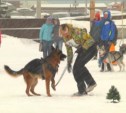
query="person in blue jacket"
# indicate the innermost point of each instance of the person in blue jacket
(108, 34)
(107, 30)
(45, 36)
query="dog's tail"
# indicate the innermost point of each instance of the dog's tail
(11, 72)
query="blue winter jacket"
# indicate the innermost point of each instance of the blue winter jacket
(46, 32)
(108, 28)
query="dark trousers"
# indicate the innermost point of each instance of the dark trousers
(80, 72)
(108, 67)
(46, 45)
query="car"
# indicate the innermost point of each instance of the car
(26, 11)
(115, 12)
(60, 14)
(16, 14)
(4, 11)
(96, 10)
(43, 15)
(69, 15)
(75, 14)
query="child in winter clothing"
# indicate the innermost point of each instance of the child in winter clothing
(45, 36)
(78, 38)
(57, 40)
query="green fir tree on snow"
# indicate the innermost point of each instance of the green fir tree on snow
(113, 95)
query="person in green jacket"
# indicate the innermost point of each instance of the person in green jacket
(86, 49)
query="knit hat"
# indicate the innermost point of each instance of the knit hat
(97, 15)
(49, 20)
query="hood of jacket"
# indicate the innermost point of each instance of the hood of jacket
(109, 14)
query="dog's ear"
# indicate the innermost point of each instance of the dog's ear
(57, 49)
(52, 48)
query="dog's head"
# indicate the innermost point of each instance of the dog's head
(123, 48)
(101, 50)
(58, 54)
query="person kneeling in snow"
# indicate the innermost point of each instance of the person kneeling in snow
(86, 49)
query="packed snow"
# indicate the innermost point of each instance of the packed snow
(16, 52)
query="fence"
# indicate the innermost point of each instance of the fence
(29, 28)
(22, 28)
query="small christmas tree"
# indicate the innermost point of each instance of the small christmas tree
(113, 94)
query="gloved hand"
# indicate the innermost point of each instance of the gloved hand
(69, 67)
(79, 49)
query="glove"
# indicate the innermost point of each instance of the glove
(79, 49)
(69, 67)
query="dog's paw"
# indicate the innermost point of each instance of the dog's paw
(49, 95)
(53, 87)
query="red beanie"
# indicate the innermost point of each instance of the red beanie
(97, 15)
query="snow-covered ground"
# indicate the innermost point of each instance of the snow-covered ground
(17, 52)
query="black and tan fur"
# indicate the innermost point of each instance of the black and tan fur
(39, 68)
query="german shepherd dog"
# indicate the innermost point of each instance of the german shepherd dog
(111, 57)
(39, 68)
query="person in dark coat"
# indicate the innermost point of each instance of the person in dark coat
(57, 40)
(96, 30)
